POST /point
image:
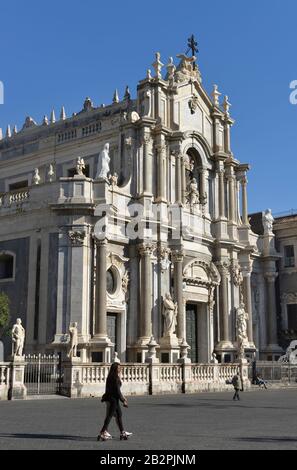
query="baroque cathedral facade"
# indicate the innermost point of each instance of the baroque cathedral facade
(107, 213)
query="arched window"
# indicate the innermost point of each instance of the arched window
(6, 266)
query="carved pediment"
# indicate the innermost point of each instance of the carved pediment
(201, 272)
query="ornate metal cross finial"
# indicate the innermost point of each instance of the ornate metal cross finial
(192, 45)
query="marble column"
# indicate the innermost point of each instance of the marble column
(161, 153)
(271, 308)
(147, 164)
(183, 181)
(203, 191)
(178, 178)
(227, 137)
(145, 251)
(245, 219)
(100, 305)
(221, 193)
(177, 257)
(231, 188)
(223, 303)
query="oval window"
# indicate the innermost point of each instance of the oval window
(110, 282)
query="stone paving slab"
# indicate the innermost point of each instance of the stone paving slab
(264, 420)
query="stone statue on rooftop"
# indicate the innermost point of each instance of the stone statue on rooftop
(80, 166)
(103, 164)
(267, 220)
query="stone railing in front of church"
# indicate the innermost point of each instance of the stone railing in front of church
(85, 380)
(88, 379)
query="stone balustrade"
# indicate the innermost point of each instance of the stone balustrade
(4, 380)
(14, 197)
(85, 380)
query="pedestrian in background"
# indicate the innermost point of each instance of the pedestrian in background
(112, 398)
(236, 384)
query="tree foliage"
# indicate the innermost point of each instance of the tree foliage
(4, 313)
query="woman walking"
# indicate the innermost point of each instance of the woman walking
(112, 397)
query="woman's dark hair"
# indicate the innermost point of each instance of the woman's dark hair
(113, 371)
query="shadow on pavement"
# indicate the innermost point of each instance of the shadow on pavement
(267, 439)
(47, 436)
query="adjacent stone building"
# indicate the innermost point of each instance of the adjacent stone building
(104, 213)
(285, 229)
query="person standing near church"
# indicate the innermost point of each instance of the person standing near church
(236, 385)
(112, 398)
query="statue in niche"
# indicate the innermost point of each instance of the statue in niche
(193, 193)
(73, 333)
(104, 161)
(18, 338)
(170, 314)
(241, 324)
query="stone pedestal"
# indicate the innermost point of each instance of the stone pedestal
(141, 349)
(152, 353)
(184, 359)
(72, 381)
(17, 390)
(243, 366)
(187, 378)
(169, 349)
(101, 345)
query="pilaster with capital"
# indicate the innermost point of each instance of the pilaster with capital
(177, 258)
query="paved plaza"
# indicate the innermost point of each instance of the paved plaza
(264, 419)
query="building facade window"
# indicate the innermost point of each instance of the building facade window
(292, 317)
(18, 185)
(6, 267)
(289, 256)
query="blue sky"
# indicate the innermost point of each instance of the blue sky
(57, 53)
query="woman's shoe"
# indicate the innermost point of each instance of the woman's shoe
(124, 435)
(104, 436)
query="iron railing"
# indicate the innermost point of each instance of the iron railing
(43, 374)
